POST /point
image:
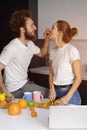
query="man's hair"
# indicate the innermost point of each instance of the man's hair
(18, 19)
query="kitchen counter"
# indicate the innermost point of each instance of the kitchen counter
(40, 75)
(45, 71)
(24, 121)
(40, 70)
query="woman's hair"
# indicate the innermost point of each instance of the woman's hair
(68, 32)
(18, 19)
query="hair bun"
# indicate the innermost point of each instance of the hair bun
(74, 31)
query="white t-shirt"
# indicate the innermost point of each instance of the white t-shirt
(17, 57)
(61, 62)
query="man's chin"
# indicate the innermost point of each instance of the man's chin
(33, 38)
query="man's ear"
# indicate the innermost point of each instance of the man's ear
(22, 29)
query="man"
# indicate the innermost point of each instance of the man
(16, 56)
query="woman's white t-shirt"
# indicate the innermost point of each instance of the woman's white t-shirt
(17, 57)
(62, 63)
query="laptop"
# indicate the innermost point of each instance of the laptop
(71, 116)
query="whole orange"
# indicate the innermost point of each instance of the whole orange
(3, 104)
(14, 108)
(32, 108)
(23, 103)
(33, 113)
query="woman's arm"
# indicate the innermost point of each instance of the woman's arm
(52, 94)
(76, 66)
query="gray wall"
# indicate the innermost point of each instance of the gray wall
(74, 11)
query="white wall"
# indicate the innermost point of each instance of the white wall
(74, 11)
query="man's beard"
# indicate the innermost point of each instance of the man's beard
(29, 36)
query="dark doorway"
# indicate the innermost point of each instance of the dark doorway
(6, 9)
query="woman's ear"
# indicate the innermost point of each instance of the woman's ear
(61, 34)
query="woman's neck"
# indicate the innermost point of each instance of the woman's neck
(59, 43)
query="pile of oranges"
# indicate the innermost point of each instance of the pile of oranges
(33, 112)
(14, 108)
(3, 100)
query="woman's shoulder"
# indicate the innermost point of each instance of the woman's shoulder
(73, 52)
(71, 47)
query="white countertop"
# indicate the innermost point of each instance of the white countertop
(70, 116)
(24, 121)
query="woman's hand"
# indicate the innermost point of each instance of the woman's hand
(52, 94)
(63, 101)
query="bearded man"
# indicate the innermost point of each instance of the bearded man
(17, 54)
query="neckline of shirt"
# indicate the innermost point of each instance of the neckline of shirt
(21, 44)
(63, 46)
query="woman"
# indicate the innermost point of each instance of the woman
(65, 68)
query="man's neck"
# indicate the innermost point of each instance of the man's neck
(23, 41)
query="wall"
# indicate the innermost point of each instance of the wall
(6, 9)
(33, 7)
(74, 11)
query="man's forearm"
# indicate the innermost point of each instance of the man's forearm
(2, 87)
(44, 49)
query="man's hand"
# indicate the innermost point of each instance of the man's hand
(10, 97)
(47, 34)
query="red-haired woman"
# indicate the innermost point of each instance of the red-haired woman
(65, 68)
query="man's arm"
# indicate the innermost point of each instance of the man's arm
(2, 85)
(44, 50)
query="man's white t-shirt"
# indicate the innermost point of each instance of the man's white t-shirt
(62, 63)
(17, 57)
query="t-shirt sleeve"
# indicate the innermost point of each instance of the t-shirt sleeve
(74, 54)
(6, 55)
(51, 55)
(34, 49)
